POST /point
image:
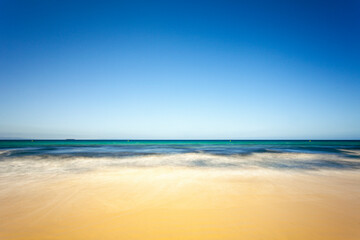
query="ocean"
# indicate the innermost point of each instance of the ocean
(231, 154)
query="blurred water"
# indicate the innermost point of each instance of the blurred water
(65, 156)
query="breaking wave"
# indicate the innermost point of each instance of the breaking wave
(52, 163)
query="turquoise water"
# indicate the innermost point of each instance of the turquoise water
(81, 155)
(22, 143)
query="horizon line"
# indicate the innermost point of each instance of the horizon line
(168, 139)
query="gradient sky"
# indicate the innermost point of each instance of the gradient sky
(180, 69)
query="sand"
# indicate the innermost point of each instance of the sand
(181, 203)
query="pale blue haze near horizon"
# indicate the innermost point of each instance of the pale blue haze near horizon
(180, 69)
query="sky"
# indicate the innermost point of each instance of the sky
(180, 69)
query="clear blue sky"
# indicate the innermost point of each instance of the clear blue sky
(180, 69)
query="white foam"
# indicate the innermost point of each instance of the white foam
(58, 165)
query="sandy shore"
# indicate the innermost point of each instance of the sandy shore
(181, 203)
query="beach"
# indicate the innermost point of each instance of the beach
(180, 194)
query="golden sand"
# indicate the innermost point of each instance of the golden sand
(182, 203)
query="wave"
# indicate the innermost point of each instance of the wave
(264, 160)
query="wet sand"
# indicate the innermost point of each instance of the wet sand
(181, 203)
